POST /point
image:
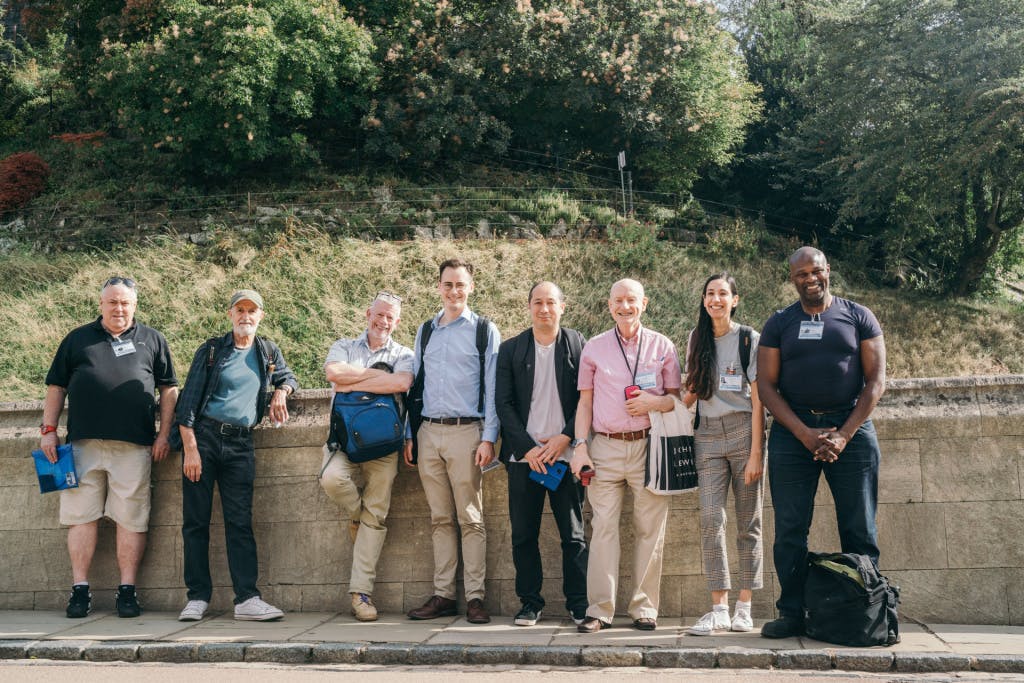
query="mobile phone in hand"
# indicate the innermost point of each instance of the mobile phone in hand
(631, 389)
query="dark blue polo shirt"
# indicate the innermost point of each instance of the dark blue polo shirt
(821, 374)
(111, 396)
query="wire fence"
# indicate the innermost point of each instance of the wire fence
(564, 197)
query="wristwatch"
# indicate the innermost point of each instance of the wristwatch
(46, 429)
(577, 442)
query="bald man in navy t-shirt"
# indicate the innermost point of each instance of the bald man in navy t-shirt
(821, 371)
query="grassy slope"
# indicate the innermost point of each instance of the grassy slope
(317, 289)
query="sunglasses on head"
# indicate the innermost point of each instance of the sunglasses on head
(117, 280)
(388, 297)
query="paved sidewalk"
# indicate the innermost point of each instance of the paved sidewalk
(315, 637)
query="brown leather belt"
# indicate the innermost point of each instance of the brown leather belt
(452, 420)
(627, 436)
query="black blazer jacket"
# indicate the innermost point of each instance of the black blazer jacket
(514, 387)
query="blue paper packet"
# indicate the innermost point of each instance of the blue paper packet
(553, 478)
(56, 476)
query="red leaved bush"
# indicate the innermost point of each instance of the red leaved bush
(22, 178)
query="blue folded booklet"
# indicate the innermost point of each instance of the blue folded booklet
(553, 478)
(56, 476)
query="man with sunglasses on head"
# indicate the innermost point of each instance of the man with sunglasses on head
(109, 371)
(353, 365)
(234, 380)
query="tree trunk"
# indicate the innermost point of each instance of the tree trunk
(987, 233)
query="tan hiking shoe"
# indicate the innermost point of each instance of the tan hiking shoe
(362, 607)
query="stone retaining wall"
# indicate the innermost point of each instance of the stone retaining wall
(950, 518)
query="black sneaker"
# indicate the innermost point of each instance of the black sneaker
(578, 614)
(127, 601)
(80, 602)
(783, 627)
(527, 616)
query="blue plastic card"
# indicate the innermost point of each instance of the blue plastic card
(56, 476)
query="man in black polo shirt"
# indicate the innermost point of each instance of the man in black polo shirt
(233, 381)
(109, 371)
(820, 372)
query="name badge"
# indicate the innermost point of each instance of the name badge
(647, 380)
(811, 329)
(122, 348)
(730, 382)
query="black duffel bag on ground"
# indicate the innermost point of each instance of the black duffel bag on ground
(847, 602)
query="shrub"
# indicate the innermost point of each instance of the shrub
(222, 86)
(22, 179)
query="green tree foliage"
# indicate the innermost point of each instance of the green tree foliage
(436, 98)
(222, 85)
(912, 125)
(659, 79)
(583, 79)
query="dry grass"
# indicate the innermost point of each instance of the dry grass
(316, 289)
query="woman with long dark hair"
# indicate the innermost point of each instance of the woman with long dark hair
(721, 369)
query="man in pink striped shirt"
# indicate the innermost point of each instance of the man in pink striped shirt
(625, 373)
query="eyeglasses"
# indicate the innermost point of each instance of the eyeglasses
(388, 297)
(117, 280)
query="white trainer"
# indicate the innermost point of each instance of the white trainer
(254, 609)
(709, 623)
(194, 610)
(741, 621)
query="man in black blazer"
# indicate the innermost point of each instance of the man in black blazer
(536, 397)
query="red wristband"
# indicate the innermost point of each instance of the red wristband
(46, 429)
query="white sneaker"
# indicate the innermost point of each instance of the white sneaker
(709, 623)
(194, 610)
(254, 609)
(741, 621)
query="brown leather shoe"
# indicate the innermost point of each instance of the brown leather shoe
(476, 613)
(592, 625)
(433, 608)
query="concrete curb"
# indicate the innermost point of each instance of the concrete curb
(561, 656)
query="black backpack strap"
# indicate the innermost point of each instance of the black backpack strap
(481, 351)
(426, 329)
(746, 334)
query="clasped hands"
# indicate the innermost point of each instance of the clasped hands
(830, 443)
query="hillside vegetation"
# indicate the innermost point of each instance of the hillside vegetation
(317, 288)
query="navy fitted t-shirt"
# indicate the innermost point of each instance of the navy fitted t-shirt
(111, 396)
(821, 374)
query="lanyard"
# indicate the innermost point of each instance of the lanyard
(639, 345)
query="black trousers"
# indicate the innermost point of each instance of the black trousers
(525, 507)
(230, 462)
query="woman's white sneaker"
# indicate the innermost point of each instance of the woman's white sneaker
(741, 621)
(709, 623)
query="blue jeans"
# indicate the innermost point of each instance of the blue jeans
(229, 462)
(793, 477)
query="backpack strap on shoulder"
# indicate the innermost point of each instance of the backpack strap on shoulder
(481, 351)
(746, 333)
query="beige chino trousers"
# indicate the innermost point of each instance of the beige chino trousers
(369, 507)
(619, 465)
(452, 484)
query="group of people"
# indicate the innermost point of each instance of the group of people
(818, 367)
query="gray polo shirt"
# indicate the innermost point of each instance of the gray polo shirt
(357, 352)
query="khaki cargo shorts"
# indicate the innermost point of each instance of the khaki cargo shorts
(113, 481)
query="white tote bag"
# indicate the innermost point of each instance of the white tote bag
(671, 463)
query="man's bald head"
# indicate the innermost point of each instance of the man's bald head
(807, 254)
(628, 285)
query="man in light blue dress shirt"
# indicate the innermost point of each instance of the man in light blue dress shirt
(455, 440)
